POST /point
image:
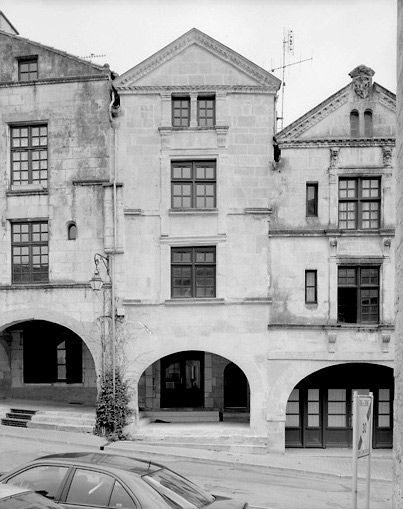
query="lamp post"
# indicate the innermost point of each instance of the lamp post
(96, 283)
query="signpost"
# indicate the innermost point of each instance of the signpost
(362, 440)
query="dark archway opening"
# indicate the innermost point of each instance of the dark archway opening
(319, 409)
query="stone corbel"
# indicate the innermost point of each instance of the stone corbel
(334, 156)
(387, 156)
(386, 246)
(165, 133)
(333, 246)
(331, 341)
(385, 342)
(221, 136)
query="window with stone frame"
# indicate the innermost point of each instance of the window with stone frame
(30, 258)
(193, 272)
(206, 111)
(312, 199)
(358, 294)
(28, 68)
(180, 111)
(311, 286)
(29, 154)
(193, 184)
(359, 203)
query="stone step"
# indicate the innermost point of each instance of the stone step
(236, 448)
(21, 416)
(22, 411)
(78, 420)
(61, 426)
(169, 416)
(21, 423)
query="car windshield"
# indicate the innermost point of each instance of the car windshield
(178, 491)
(27, 501)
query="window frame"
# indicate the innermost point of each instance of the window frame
(28, 60)
(194, 183)
(314, 201)
(368, 124)
(313, 286)
(203, 111)
(29, 147)
(359, 200)
(183, 119)
(28, 249)
(194, 265)
(360, 288)
(354, 124)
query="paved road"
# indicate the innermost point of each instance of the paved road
(258, 486)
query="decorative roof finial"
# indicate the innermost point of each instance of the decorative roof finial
(362, 80)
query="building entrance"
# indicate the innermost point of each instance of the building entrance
(182, 380)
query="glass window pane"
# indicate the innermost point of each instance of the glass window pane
(313, 421)
(292, 421)
(46, 479)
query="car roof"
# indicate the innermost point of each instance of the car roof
(114, 461)
(8, 490)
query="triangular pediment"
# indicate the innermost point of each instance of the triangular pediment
(196, 59)
(331, 118)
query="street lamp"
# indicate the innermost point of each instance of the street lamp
(96, 281)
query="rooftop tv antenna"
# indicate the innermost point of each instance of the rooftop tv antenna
(288, 46)
(92, 56)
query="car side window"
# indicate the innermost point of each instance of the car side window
(90, 488)
(45, 479)
(120, 498)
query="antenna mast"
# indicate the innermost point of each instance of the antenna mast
(288, 44)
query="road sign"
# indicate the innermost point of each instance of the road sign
(364, 425)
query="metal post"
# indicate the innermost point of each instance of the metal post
(355, 449)
(368, 484)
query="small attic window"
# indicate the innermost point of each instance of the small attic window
(72, 231)
(355, 124)
(368, 126)
(28, 68)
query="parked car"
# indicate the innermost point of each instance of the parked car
(99, 480)
(14, 497)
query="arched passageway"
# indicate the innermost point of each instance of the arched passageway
(49, 361)
(194, 385)
(319, 409)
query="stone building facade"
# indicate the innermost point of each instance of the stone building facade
(54, 172)
(239, 283)
(332, 264)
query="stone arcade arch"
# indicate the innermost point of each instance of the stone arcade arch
(48, 359)
(149, 376)
(319, 407)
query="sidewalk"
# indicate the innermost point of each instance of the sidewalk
(321, 463)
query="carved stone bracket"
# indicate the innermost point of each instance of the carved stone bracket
(386, 244)
(385, 342)
(334, 156)
(333, 246)
(331, 341)
(387, 156)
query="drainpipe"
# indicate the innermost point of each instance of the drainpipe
(113, 179)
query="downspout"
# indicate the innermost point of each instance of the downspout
(113, 179)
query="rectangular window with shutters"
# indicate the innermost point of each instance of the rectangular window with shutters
(28, 69)
(29, 155)
(193, 184)
(358, 294)
(193, 272)
(359, 203)
(29, 244)
(311, 287)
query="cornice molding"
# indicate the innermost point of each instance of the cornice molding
(52, 81)
(228, 89)
(341, 142)
(205, 42)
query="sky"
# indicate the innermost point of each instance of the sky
(331, 36)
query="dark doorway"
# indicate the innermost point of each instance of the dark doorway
(235, 387)
(319, 409)
(51, 353)
(182, 380)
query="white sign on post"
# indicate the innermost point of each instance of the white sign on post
(362, 441)
(364, 425)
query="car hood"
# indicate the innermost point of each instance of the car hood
(227, 503)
